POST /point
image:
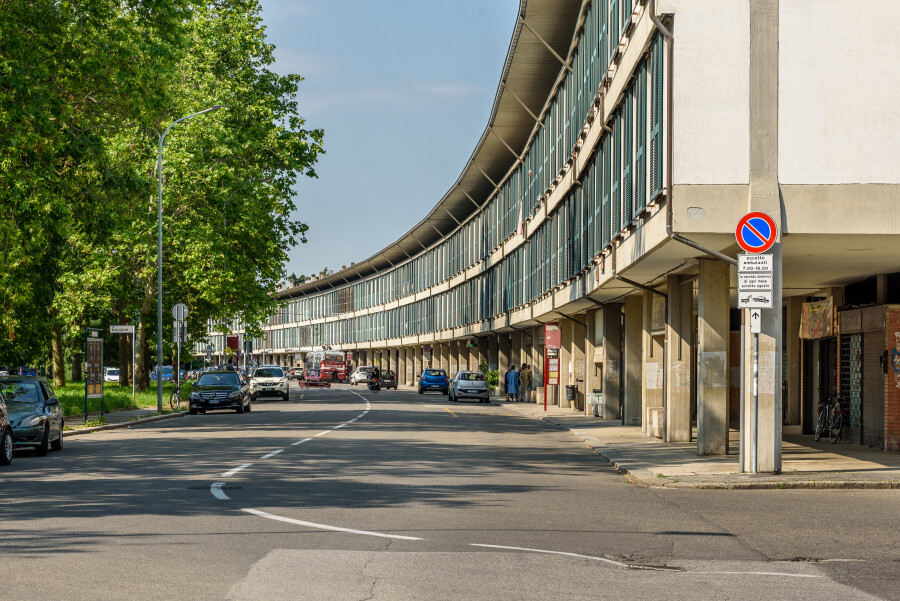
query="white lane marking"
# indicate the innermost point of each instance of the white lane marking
(272, 454)
(294, 444)
(603, 559)
(339, 426)
(232, 472)
(322, 433)
(216, 490)
(785, 574)
(279, 518)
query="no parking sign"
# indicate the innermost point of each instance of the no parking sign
(756, 232)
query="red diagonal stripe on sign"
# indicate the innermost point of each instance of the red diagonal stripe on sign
(755, 231)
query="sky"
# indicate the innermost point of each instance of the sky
(403, 90)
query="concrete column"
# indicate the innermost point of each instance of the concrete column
(453, 354)
(493, 359)
(634, 334)
(579, 334)
(445, 357)
(654, 369)
(566, 363)
(502, 352)
(483, 351)
(592, 371)
(712, 346)
(608, 324)
(515, 350)
(792, 315)
(417, 364)
(407, 365)
(678, 359)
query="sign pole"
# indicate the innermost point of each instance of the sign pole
(755, 403)
(133, 370)
(84, 375)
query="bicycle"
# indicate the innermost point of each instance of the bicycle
(831, 419)
(175, 398)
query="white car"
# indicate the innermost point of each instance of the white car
(111, 374)
(269, 383)
(361, 375)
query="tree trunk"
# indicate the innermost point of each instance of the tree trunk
(141, 359)
(59, 362)
(124, 355)
(77, 358)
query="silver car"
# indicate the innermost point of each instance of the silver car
(269, 383)
(469, 385)
(362, 375)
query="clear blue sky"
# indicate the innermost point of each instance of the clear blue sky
(403, 90)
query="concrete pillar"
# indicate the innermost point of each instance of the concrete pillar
(493, 358)
(566, 363)
(678, 359)
(483, 351)
(515, 349)
(653, 369)
(417, 364)
(502, 352)
(712, 347)
(633, 384)
(608, 324)
(792, 316)
(472, 345)
(592, 371)
(453, 353)
(408, 367)
(445, 356)
(579, 334)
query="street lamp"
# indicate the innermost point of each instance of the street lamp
(159, 394)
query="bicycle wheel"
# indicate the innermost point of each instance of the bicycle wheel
(835, 423)
(821, 423)
(175, 400)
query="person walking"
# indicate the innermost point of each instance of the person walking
(512, 383)
(526, 383)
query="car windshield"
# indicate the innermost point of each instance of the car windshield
(387, 373)
(224, 379)
(167, 369)
(20, 391)
(473, 376)
(268, 372)
(112, 372)
(434, 372)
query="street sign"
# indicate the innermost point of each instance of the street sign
(756, 232)
(180, 312)
(756, 321)
(179, 331)
(760, 299)
(755, 281)
(121, 329)
(755, 263)
(552, 336)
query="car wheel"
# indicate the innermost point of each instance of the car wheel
(192, 411)
(240, 408)
(6, 447)
(247, 408)
(446, 392)
(57, 444)
(421, 391)
(44, 446)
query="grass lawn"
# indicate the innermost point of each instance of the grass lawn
(71, 397)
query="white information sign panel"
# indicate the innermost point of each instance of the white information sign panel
(180, 312)
(755, 281)
(121, 329)
(759, 299)
(755, 321)
(755, 263)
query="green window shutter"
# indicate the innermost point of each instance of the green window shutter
(627, 158)
(607, 155)
(656, 109)
(615, 199)
(613, 28)
(640, 129)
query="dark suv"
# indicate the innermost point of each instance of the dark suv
(219, 390)
(6, 439)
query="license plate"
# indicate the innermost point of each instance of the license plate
(268, 389)
(214, 401)
(435, 386)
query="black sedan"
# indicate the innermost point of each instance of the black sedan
(219, 390)
(34, 412)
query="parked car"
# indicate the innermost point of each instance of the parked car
(469, 385)
(111, 374)
(34, 413)
(269, 382)
(26, 370)
(4, 370)
(6, 437)
(434, 379)
(167, 374)
(388, 379)
(219, 390)
(361, 375)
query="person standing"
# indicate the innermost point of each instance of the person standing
(512, 383)
(526, 383)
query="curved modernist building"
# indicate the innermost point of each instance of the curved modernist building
(626, 141)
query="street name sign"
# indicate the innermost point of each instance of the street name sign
(121, 329)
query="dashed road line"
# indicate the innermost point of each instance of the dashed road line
(272, 454)
(232, 472)
(279, 518)
(299, 442)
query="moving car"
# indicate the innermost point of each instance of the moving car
(388, 379)
(27, 370)
(34, 413)
(469, 385)
(167, 374)
(269, 382)
(361, 375)
(111, 374)
(434, 379)
(219, 390)
(6, 438)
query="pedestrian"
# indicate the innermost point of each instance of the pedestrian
(334, 376)
(519, 382)
(512, 381)
(526, 383)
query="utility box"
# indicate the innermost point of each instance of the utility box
(595, 401)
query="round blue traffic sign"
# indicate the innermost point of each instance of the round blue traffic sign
(756, 232)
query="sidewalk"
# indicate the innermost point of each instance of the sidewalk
(651, 462)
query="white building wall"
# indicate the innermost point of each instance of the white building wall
(712, 91)
(839, 92)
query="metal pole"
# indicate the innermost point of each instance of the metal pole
(84, 375)
(755, 402)
(159, 357)
(133, 372)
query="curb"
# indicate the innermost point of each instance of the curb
(645, 477)
(128, 424)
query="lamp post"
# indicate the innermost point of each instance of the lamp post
(159, 359)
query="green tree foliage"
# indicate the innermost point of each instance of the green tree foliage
(87, 88)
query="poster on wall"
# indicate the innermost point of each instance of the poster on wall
(817, 320)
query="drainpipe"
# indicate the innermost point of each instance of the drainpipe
(670, 101)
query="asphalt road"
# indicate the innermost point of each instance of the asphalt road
(351, 494)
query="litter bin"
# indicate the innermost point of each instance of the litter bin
(570, 392)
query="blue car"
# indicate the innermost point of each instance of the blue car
(167, 374)
(434, 379)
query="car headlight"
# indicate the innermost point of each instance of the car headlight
(234, 395)
(34, 421)
(195, 396)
